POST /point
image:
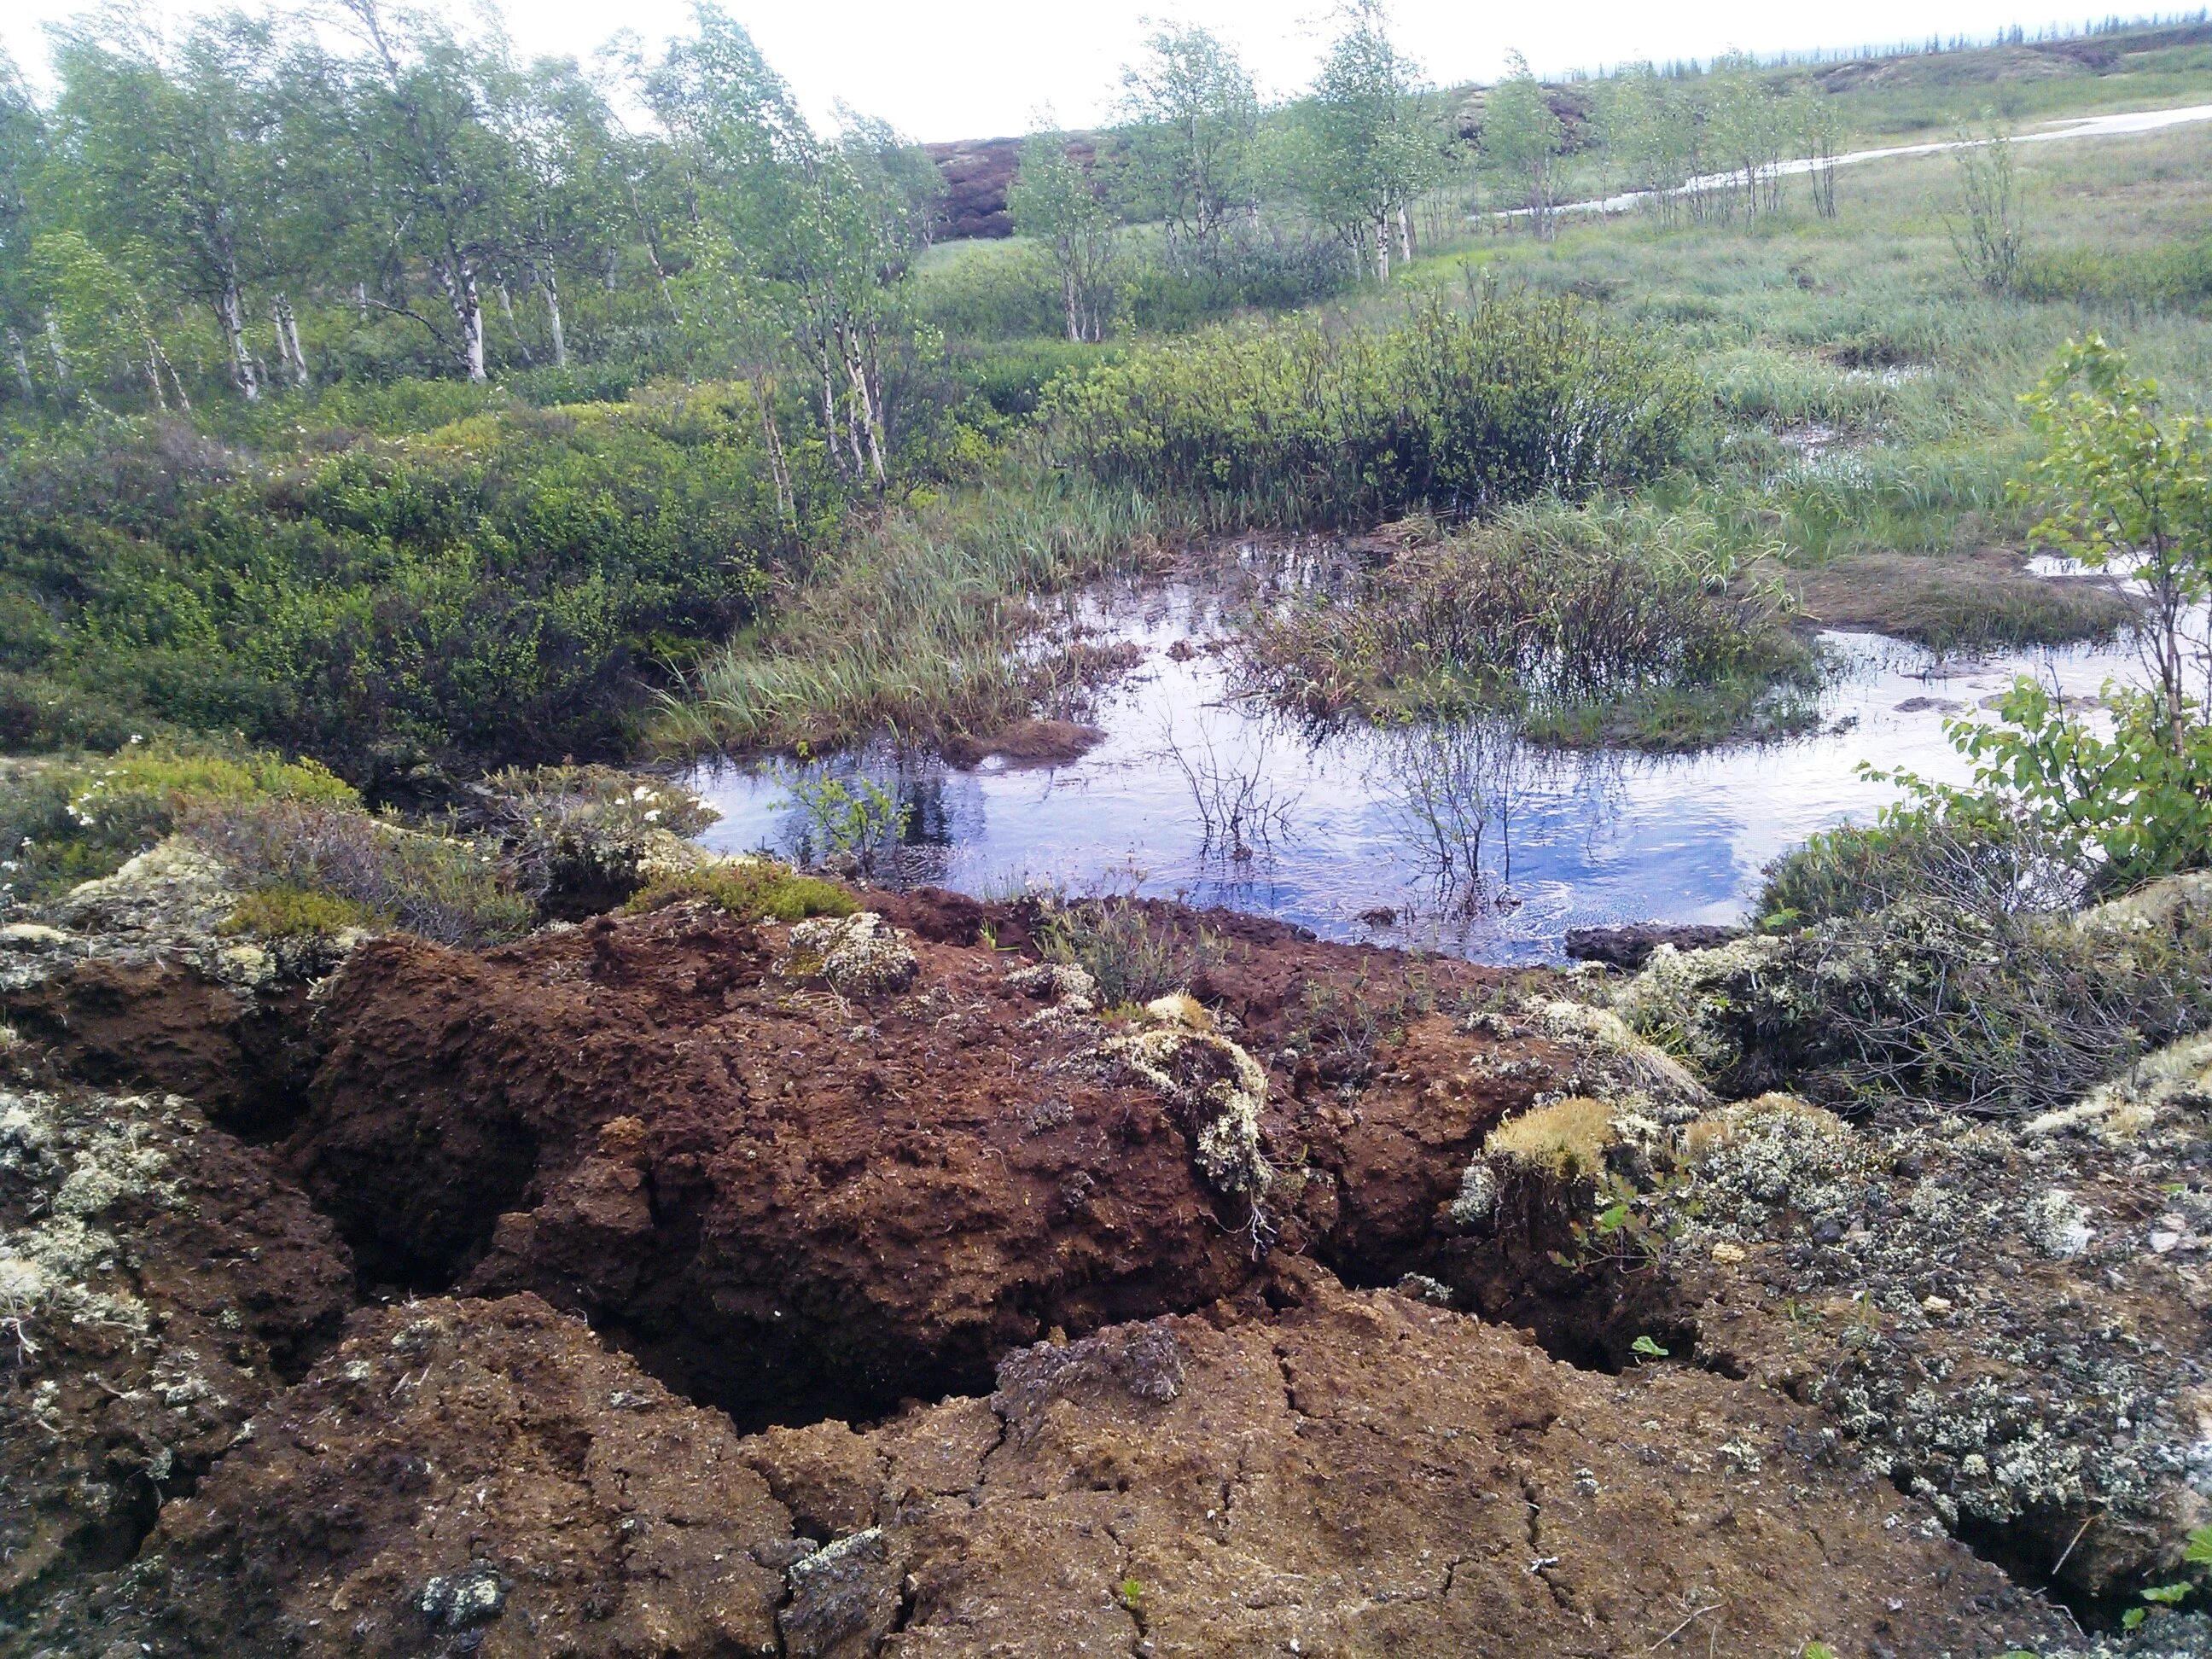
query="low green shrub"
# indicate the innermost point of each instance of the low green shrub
(439, 887)
(296, 912)
(2117, 801)
(1450, 411)
(505, 588)
(1986, 861)
(1011, 376)
(64, 822)
(753, 890)
(1997, 1012)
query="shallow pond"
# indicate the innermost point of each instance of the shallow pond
(1460, 838)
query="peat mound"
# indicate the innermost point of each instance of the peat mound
(789, 1201)
(159, 1285)
(1343, 1474)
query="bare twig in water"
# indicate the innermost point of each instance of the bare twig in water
(1239, 810)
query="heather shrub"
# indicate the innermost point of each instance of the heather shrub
(440, 887)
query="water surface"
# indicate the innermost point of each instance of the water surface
(1458, 837)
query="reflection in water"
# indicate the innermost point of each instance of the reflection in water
(1241, 811)
(1460, 837)
(1449, 784)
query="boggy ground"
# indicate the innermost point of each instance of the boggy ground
(818, 1180)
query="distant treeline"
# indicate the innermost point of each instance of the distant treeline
(1936, 45)
(296, 199)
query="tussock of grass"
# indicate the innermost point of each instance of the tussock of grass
(929, 625)
(755, 891)
(1133, 955)
(1598, 624)
(1565, 1139)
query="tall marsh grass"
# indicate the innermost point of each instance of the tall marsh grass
(931, 624)
(1547, 609)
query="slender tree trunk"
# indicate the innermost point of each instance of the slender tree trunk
(829, 415)
(779, 468)
(459, 281)
(361, 299)
(287, 339)
(56, 350)
(230, 309)
(153, 376)
(1406, 233)
(871, 422)
(1381, 247)
(22, 362)
(549, 286)
(176, 380)
(653, 254)
(506, 310)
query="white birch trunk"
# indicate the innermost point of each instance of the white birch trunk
(230, 309)
(287, 339)
(549, 286)
(459, 283)
(779, 468)
(864, 402)
(55, 349)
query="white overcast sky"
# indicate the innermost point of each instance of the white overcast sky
(972, 68)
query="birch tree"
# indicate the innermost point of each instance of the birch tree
(1520, 143)
(1373, 143)
(420, 107)
(171, 155)
(1194, 118)
(823, 231)
(1053, 201)
(1645, 125)
(23, 149)
(567, 186)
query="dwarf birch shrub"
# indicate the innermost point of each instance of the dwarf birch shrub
(1448, 411)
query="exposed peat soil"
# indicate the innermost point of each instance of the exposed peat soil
(713, 1291)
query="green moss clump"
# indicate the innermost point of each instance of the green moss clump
(297, 913)
(756, 891)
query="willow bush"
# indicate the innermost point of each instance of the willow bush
(1448, 411)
